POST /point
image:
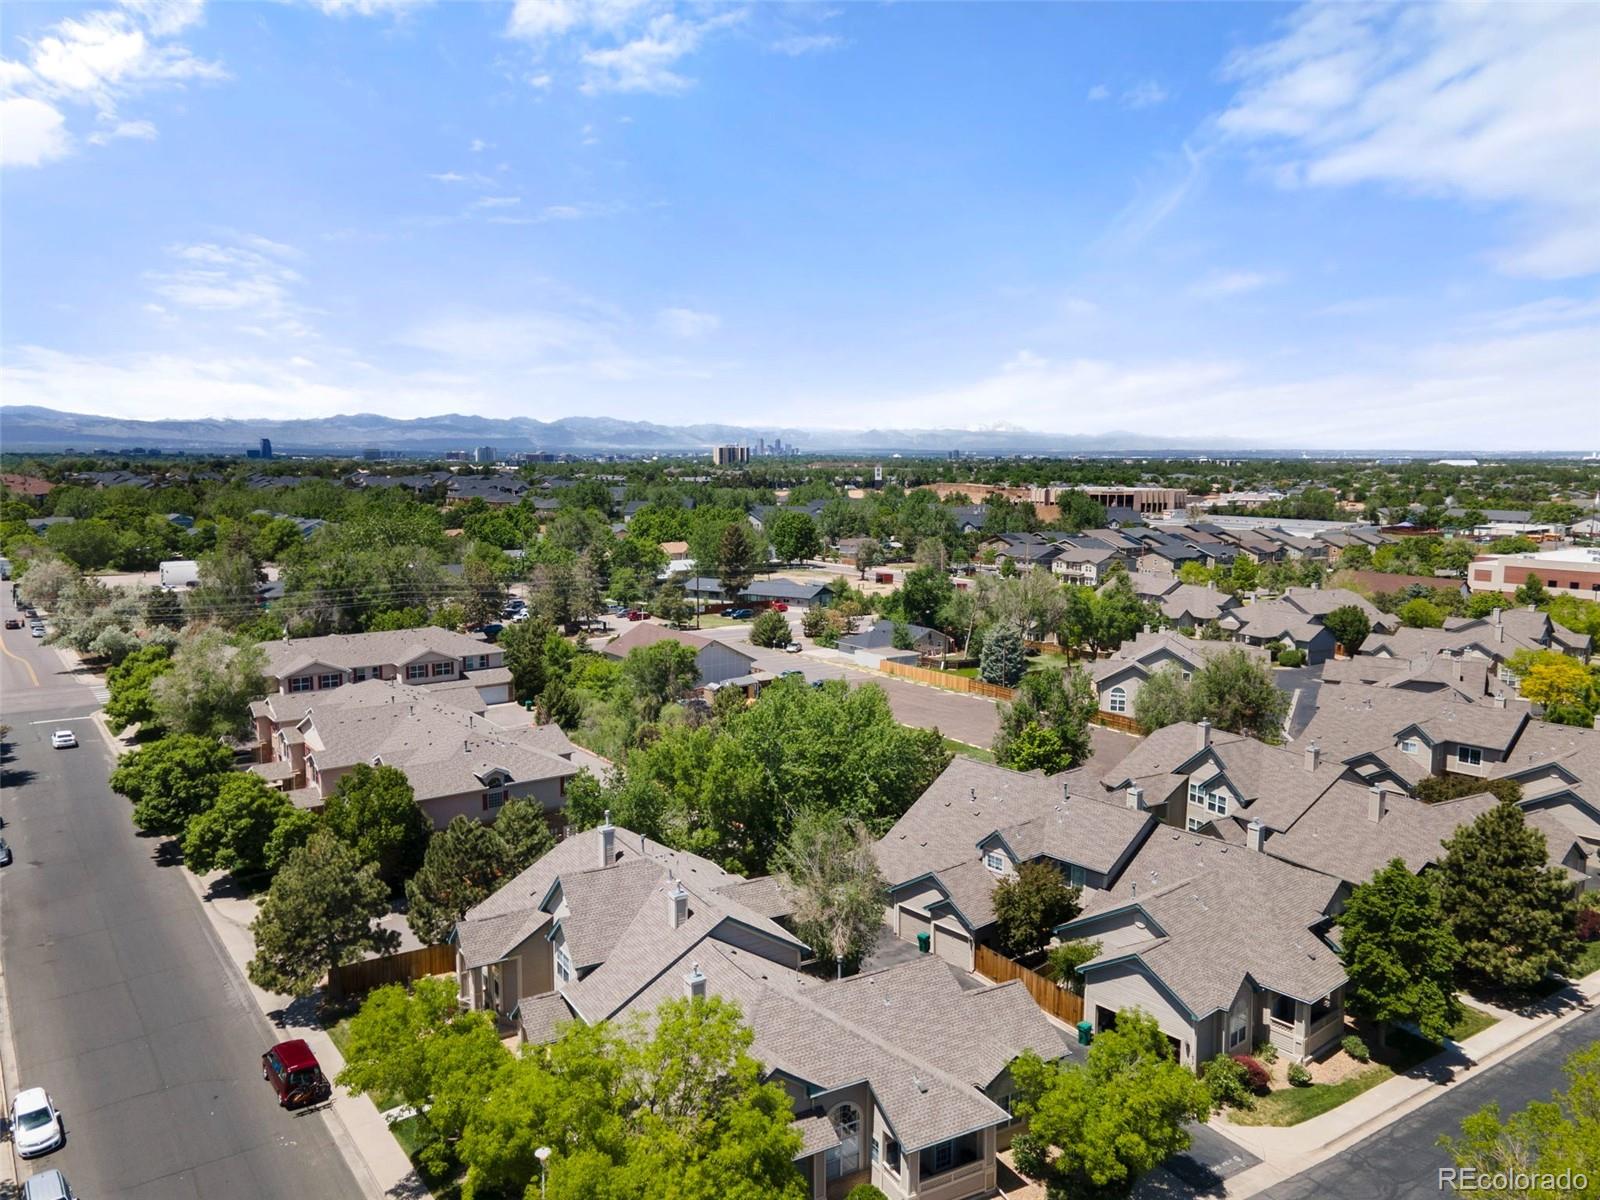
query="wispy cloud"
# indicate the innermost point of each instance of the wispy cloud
(687, 322)
(1231, 283)
(1490, 103)
(798, 44)
(623, 45)
(249, 276)
(1098, 93)
(1145, 94)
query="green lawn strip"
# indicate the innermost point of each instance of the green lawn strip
(976, 752)
(443, 1187)
(1291, 1105)
(1588, 961)
(1473, 1020)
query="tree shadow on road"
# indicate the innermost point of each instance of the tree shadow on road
(168, 853)
(16, 777)
(300, 1012)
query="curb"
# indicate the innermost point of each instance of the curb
(10, 1165)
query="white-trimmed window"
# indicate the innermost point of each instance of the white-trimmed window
(1196, 824)
(1197, 793)
(417, 671)
(1239, 1022)
(444, 668)
(1217, 802)
(300, 683)
(563, 964)
(1117, 700)
(995, 861)
(1469, 756)
(494, 797)
(1411, 746)
(324, 682)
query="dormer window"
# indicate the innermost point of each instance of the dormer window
(1469, 756)
(332, 680)
(444, 668)
(1411, 746)
(300, 683)
(416, 670)
(995, 861)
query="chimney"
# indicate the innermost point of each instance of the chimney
(694, 983)
(1313, 757)
(1255, 835)
(1135, 797)
(1377, 802)
(1495, 616)
(1204, 728)
(608, 840)
(1500, 700)
(1499, 632)
(677, 904)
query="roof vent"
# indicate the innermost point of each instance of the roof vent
(916, 1081)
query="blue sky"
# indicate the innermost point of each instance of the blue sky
(1318, 226)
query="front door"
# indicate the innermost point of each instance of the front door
(845, 1158)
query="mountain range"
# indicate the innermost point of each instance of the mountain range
(24, 427)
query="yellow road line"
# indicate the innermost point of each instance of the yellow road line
(28, 666)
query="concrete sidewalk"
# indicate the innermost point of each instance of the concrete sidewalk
(1286, 1151)
(359, 1130)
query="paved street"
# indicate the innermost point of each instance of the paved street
(1402, 1161)
(121, 1002)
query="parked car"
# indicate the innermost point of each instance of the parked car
(791, 674)
(294, 1073)
(36, 630)
(63, 739)
(491, 632)
(36, 1126)
(780, 606)
(13, 622)
(792, 648)
(50, 1185)
(634, 614)
(5, 853)
(739, 614)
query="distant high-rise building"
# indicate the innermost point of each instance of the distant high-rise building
(761, 445)
(730, 456)
(483, 454)
(266, 447)
(372, 453)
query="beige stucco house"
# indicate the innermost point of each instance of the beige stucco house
(425, 657)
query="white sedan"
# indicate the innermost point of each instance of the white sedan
(35, 1124)
(63, 739)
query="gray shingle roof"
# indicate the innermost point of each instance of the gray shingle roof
(350, 650)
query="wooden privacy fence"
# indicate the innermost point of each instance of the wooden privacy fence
(1058, 1002)
(944, 679)
(1118, 721)
(358, 978)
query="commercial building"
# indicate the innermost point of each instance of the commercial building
(730, 456)
(1576, 569)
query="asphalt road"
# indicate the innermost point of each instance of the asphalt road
(122, 1003)
(1402, 1161)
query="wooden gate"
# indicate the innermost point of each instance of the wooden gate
(1057, 1001)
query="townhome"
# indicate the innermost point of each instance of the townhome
(878, 638)
(1316, 601)
(1495, 637)
(422, 657)
(1465, 677)
(458, 762)
(1275, 622)
(1190, 606)
(716, 661)
(497, 491)
(898, 1077)
(1118, 679)
(1024, 551)
(1087, 561)
(974, 826)
(1224, 946)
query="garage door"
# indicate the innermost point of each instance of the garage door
(912, 923)
(954, 948)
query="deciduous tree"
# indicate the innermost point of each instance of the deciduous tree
(1238, 694)
(827, 864)
(235, 832)
(1029, 904)
(1399, 953)
(374, 811)
(171, 780)
(1350, 627)
(793, 535)
(210, 687)
(465, 862)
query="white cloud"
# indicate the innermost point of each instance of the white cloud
(1231, 283)
(478, 145)
(646, 63)
(1487, 103)
(1097, 93)
(496, 202)
(687, 322)
(249, 277)
(538, 20)
(1145, 94)
(100, 59)
(628, 45)
(31, 132)
(806, 43)
(368, 8)
(542, 80)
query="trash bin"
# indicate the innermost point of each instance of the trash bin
(924, 942)
(1085, 1032)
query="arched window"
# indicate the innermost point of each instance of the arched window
(1117, 700)
(845, 1158)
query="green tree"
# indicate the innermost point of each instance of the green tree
(374, 811)
(1420, 614)
(770, 630)
(1350, 627)
(171, 780)
(1004, 660)
(465, 862)
(1399, 953)
(671, 604)
(1118, 614)
(226, 594)
(525, 831)
(419, 1049)
(1028, 905)
(1551, 1144)
(128, 683)
(1064, 960)
(523, 644)
(318, 915)
(1046, 727)
(210, 687)
(924, 593)
(1238, 694)
(1513, 914)
(828, 866)
(234, 834)
(1163, 699)
(738, 557)
(793, 535)
(560, 704)
(1117, 1117)
(659, 674)
(1435, 789)
(482, 596)
(869, 554)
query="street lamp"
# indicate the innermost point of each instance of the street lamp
(543, 1155)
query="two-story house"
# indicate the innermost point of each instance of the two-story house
(424, 657)
(1118, 679)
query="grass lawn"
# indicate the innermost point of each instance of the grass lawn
(956, 747)
(715, 621)
(1291, 1105)
(1473, 1020)
(1588, 961)
(443, 1187)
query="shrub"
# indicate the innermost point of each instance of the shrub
(1031, 1155)
(1589, 924)
(1356, 1049)
(770, 630)
(1267, 1053)
(1291, 658)
(1228, 1082)
(866, 1191)
(1298, 1075)
(1255, 1075)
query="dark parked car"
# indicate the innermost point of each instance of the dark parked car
(13, 622)
(295, 1074)
(739, 614)
(5, 853)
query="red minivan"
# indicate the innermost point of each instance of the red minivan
(295, 1074)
